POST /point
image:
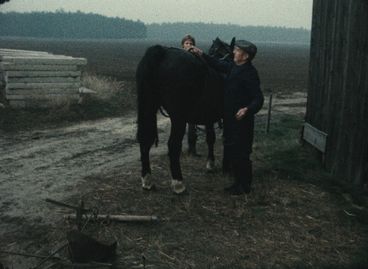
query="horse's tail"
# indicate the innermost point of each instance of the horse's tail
(148, 99)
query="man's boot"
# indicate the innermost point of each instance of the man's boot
(243, 177)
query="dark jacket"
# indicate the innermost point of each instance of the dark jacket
(241, 89)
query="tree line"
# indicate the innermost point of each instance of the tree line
(68, 25)
(80, 25)
(209, 31)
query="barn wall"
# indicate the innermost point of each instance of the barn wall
(338, 84)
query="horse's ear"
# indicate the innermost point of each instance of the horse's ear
(232, 43)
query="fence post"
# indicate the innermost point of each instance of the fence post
(269, 113)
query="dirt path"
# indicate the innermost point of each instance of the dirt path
(52, 163)
(49, 163)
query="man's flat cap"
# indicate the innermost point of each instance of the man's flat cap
(247, 46)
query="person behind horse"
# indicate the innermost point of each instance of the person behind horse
(243, 98)
(187, 43)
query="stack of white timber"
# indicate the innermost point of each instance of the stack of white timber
(39, 79)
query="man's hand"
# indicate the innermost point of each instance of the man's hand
(196, 51)
(241, 113)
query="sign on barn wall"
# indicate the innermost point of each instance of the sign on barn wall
(315, 137)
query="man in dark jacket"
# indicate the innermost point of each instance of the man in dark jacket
(242, 99)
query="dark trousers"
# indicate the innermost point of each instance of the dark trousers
(240, 167)
(243, 174)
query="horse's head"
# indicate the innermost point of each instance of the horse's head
(221, 49)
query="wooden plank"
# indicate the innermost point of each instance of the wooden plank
(42, 79)
(42, 85)
(12, 54)
(41, 96)
(45, 60)
(3, 50)
(117, 218)
(31, 92)
(13, 57)
(315, 137)
(37, 67)
(24, 74)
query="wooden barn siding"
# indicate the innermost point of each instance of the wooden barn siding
(338, 84)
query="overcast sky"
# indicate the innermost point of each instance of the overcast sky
(288, 13)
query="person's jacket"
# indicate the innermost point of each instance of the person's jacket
(241, 88)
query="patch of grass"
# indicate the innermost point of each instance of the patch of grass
(281, 156)
(281, 152)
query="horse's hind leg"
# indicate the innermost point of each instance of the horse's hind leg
(210, 139)
(175, 145)
(146, 178)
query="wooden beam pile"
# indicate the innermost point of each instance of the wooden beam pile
(39, 79)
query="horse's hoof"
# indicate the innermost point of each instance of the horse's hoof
(147, 182)
(210, 165)
(178, 186)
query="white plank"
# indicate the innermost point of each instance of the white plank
(315, 137)
(31, 92)
(13, 57)
(14, 51)
(42, 85)
(41, 96)
(32, 54)
(42, 79)
(43, 73)
(45, 60)
(37, 67)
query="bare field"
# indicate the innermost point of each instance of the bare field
(282, 67)
(295, 218)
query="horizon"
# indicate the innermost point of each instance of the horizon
(165, 22)
(264, 13)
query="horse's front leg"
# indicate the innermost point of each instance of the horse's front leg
(175, 145)
(210, 139)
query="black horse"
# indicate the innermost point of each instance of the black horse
(188, 89)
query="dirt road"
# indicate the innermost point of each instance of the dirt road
(51, 163)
